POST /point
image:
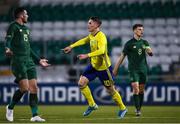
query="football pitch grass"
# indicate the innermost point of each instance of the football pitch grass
(104, 114)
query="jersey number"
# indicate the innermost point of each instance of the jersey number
(26, 37)
(108, 83)
(139, 51)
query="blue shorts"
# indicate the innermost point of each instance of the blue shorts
(106, 77)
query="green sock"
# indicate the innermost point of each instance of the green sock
(33, 102)
(16, 98)
(136, 101)
(141, 98)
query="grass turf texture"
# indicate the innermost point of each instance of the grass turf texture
(105, 114)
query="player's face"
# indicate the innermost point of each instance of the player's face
(92, 25)
(139, 31)
(24, 16)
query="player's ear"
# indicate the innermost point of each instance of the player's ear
(134, 30)
(97, 25)
(21, 15)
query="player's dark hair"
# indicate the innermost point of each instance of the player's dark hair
(137, 25)
(17, 11)
(96, 19)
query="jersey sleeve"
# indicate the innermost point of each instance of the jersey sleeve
(125, 49)
(148, 48)
(34, 55)
(146, 44)
(102, 43)
(80, 42)
(9, 36)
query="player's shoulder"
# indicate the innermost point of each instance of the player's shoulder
(145, 41)
(12, 24)
(100, 33)
(130, 41)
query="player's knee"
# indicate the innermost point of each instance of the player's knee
(135, 87)
(82, 82)
(24, 90)
(33, 89)
(135, 90)
(111, 90)
(108, 91)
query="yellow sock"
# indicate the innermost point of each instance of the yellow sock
(87, 94)
(117, 98)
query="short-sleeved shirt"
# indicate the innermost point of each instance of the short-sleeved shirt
(136, 54)
(17, 39)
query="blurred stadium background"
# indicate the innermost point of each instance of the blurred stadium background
(55, 24)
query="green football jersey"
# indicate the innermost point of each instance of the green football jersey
(17, 39)
(136, 54)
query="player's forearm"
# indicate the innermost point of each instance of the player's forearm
(9, 37)
(8, 43)
(8, 51)
(35, 56)
(97, 52)
(118, 63)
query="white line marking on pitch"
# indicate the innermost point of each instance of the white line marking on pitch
(22, 119)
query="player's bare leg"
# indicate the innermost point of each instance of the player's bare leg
(83, 85)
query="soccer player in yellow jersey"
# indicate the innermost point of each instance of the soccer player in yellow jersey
(100, 66)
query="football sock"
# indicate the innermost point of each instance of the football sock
(33, 102)
(136, 101)
(141, 98)
(16, 98)
(117, 98)
(87, 94)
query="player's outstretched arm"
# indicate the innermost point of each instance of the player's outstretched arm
(77, 43)
(44, 62)
(118, 63)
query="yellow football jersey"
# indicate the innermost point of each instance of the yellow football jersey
(99, 52)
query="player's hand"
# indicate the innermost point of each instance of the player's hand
(44, 62)
(67, 49)
(150, 54)
(149, 51)
(8, 52)
(82, 56)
